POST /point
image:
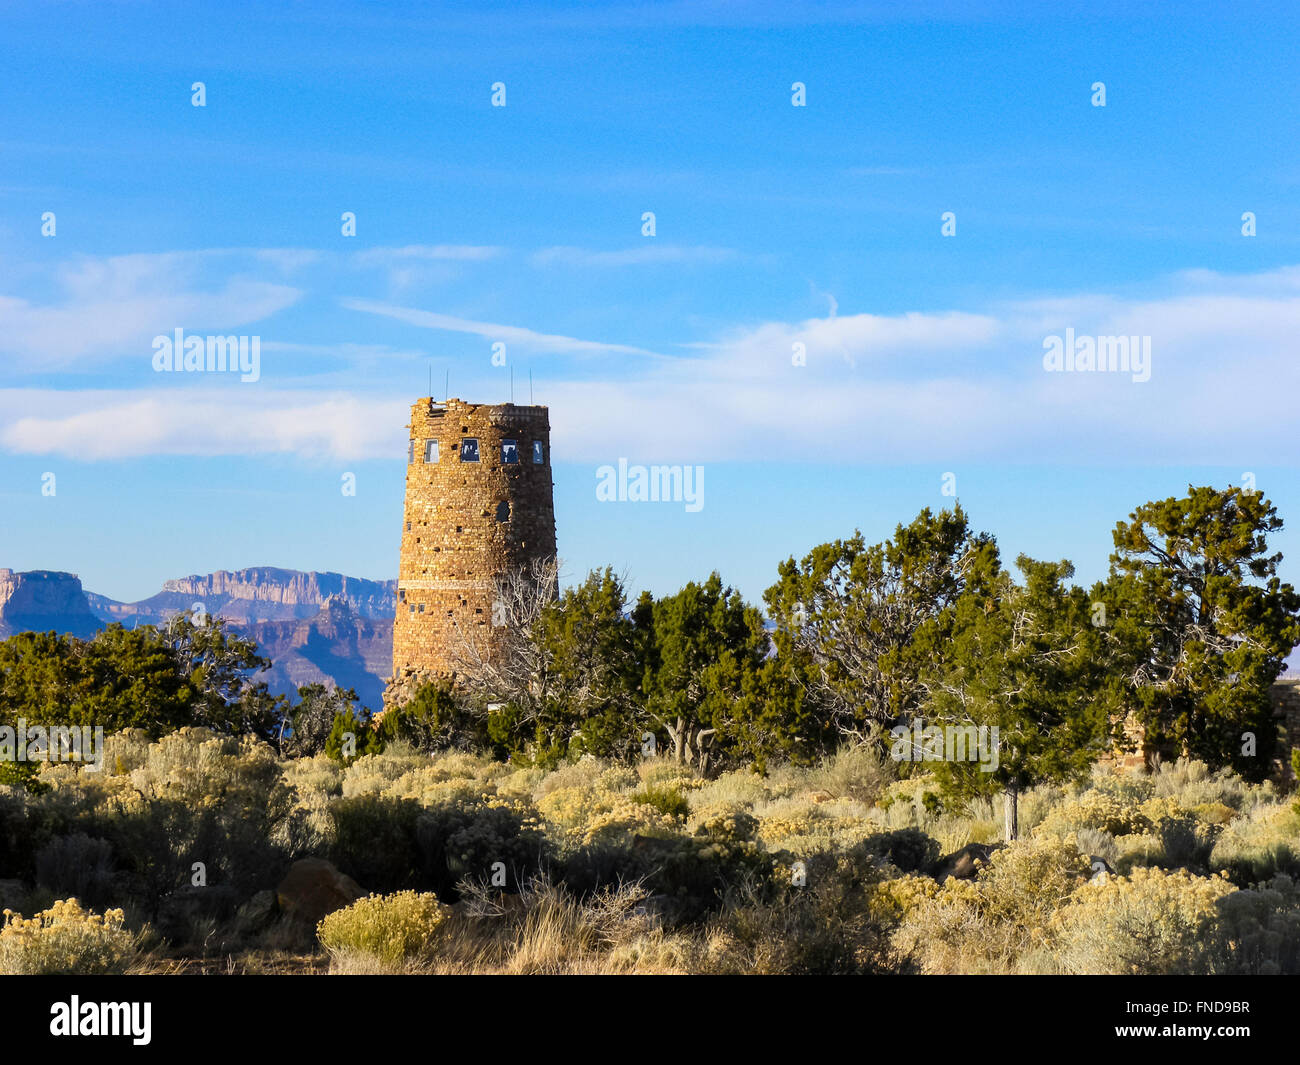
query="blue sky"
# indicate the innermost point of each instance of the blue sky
(775, 226)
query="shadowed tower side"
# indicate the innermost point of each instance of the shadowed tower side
(479, 504)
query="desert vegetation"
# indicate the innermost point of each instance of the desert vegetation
(674, 785)
(601, 866)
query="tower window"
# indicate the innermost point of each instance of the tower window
(509, 452)
(410, 451)
(503, 511)
(421, 608)
(539, 454)
(431, 451)
(401, 595)
(469, 449)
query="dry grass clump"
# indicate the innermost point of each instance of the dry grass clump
(543, 930)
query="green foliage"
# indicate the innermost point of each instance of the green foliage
(1205, 623)
(219, 665)
(591, 650)
(312, 721)
(352, 736)
(435, 719)
(154, 678)
(1027, 661)
(665, 799)
(703, 654)
(858, 625)
(1295, 769)
(25, 775)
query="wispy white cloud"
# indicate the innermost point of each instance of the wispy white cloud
(108, 304)
(429, 252)
(640, 255)
(237, 420)
(527, 339)
(946, 386)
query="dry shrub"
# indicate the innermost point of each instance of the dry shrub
(65, 940)
(546, 929)
(1260, 929)
(387, 929)
(1149, 922)
(988, 924)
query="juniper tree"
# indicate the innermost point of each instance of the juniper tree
(1028, 662)
(848, 615)
(1206, 623)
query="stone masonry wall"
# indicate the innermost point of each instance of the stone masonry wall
(465, 523)
(1285, 697)
(1286, 709)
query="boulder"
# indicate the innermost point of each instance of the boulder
(313, 888)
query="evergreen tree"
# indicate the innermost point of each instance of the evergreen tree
(1205, 623)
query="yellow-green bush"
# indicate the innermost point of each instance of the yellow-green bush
(1260, 844)
(391, 928)
(65, 939)
(598, 812)
(1151, 921)
(988, 925)
(1101, 810)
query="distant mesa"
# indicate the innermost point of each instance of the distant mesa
(259, 593)
(41, 600)
(325, 628)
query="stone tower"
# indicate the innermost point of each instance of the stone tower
(479, 504)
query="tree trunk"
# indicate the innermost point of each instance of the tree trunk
(1012, 827)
